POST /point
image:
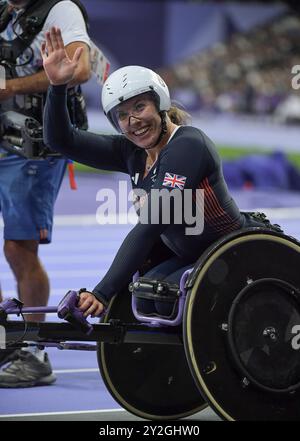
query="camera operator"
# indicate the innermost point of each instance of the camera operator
(29, 187)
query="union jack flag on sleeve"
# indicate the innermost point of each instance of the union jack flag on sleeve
(174, 181)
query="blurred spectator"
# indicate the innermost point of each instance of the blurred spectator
(251, 73)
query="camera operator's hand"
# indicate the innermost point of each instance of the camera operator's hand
(7, 93)
(60, 69)
(90, 305)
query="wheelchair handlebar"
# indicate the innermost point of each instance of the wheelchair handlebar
(68, 310)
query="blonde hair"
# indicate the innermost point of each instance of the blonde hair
(179, 116)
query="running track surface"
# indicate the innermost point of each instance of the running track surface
(79, 255)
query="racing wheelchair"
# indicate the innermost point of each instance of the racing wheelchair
(232, 342)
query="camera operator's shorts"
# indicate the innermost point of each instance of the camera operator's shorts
(28, 190)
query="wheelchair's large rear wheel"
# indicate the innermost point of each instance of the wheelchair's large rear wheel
(150, 381)
(241, 322)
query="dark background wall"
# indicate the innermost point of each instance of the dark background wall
(128, 32)
(159, 33)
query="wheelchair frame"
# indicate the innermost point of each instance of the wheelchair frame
(193, 358)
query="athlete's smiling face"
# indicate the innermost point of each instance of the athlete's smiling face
(139, 120)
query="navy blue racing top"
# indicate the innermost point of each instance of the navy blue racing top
(200, 211)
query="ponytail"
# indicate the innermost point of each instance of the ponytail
(179, 116)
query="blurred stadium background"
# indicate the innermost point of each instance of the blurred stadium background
(230, 65)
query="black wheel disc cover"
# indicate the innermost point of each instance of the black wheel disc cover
(150, 381)
(218, 277)
(260, 334)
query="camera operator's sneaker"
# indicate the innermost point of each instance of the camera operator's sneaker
(27, 371)
(7, 355)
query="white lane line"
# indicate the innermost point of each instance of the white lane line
(281, 213)
(79, 258)
(70, 259)
(54, 292)
(122, 218)
(105, 236)
(91, 219)
(97, 243)
(75, 371)
(75, 412)
(64, 274)
(78, 246)
(69, 220)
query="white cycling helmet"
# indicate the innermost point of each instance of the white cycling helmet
(130, 81)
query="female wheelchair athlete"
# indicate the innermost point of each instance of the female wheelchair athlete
(231, 342)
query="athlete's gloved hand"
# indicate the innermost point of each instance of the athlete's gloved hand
(90, 305)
